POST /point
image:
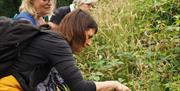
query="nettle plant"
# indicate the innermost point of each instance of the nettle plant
(159, 29)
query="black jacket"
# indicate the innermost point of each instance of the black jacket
(47, 51)
(59, 14)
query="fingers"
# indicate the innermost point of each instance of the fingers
(121, 87)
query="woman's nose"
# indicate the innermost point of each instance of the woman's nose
(88, 43)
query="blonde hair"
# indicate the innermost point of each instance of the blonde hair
(27, 6)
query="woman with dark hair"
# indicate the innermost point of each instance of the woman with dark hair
(74, 31)
(55, 49)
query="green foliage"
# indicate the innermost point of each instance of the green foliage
(138, 43)
(9, 7)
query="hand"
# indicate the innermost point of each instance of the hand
(111, 86)
(120, 87)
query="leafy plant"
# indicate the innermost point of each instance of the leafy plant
(138, 43)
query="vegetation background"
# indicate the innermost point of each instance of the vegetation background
(138, 43)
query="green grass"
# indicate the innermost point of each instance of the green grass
(138, 43)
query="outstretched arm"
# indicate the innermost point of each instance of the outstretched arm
(62, 59)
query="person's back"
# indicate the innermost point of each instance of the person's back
(35, 11)
(16, 35)
(37, 60)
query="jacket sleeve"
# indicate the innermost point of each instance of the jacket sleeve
(60, 56)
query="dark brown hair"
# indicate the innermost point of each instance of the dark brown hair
(74, 25)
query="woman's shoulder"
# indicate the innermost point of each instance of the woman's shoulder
(49, 38)
(49, 44)
(25, 16)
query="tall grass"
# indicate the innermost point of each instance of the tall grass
(138, 43)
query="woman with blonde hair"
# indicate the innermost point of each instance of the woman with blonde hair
(35, 10)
